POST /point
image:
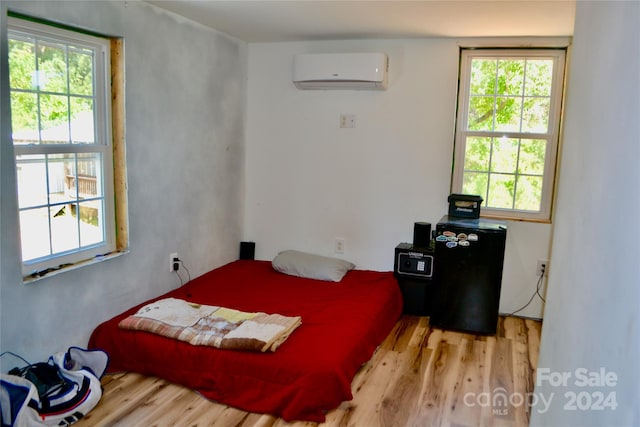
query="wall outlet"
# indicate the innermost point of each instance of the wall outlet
(173, 265)
(543, 267)
(339, 245)
(347, 120)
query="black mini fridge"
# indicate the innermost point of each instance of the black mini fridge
(469, 255)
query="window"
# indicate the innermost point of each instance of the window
(61, 107)
(507, 129)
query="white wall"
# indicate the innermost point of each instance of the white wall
(592, 319)
(309, 181)
(185, 111)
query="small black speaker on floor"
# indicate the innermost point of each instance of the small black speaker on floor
(247, 250)
(421, 234)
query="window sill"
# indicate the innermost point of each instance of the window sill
(515, 218)
(35, 277)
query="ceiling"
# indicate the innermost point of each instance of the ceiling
(298, 20)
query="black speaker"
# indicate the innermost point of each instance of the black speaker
(421, 234)
(247, 250)
(417, 296)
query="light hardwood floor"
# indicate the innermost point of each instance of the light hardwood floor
(419, 377)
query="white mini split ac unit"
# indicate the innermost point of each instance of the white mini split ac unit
(364, 71)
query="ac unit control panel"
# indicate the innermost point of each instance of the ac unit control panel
(411, 261)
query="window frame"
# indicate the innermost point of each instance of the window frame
(552, 135)
(102, 144)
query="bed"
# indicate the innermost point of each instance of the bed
(308, 375)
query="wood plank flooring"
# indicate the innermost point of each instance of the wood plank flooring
(419, 377)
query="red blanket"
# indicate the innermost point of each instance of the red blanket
(310, 374)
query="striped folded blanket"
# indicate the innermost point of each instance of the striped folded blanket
(215, 326)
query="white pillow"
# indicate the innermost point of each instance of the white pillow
(302, 264)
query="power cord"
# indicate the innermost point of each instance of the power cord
(537, 292)
(16, 356)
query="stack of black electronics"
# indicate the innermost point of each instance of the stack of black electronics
(455, 275)
(413, 268)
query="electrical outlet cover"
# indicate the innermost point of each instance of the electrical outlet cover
(171, 258)
(543, 265)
